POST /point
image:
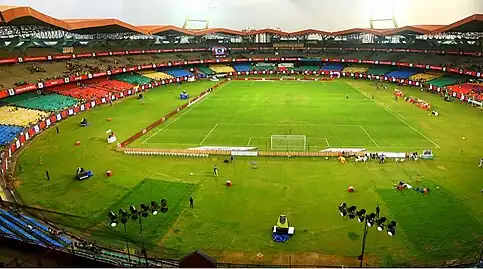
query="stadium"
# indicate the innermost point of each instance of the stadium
(127, 145)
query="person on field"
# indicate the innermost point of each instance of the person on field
(215, 171)
(192, 202)
(481, 163)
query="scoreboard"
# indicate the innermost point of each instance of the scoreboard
(219, 51)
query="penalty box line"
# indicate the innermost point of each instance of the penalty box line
(184, 113)
(394, 115)
(266, 137)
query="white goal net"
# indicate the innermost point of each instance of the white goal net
(288, 142)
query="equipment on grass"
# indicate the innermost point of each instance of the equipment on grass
(288, 142)
(427, 155)
(282, 231)
(82, 174)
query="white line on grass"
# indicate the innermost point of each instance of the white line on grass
(211, 131)
(249, 141)
(186, 111)
(327, 141)
(368, 135)
(396, 116)
(287, 124)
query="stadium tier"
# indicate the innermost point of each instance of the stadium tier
(206, 70)
(474, 90)
(10, 115)
(158, 75)
(112, 85)
(264, 66)
(402, 73)
(133, 78)
(308, 68)
(8, 133)
(355, 69)
(445, 81)
(380, 70)
(221, 68)
(49, 102)
(332, 67)
(27, 228)
(178, 73)
(83, 92)
(243, 67)
(426, 76)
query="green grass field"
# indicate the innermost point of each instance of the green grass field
(233, 224)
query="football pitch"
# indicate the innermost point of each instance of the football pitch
(330, 114)
(234, 224)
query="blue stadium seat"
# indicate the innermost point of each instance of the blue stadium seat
(332, 67)
(8, 232)
(33, 230)
(178, 73)
(19, 230)
(8, 133)
(243, 67)
(402, 73)
(41, 226)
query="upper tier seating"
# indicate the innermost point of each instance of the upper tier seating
(380, 70)
(206, 70)
(49, 102)
(133, 78)
(402, 73)
(178, 73)
(10, 115)
(243, 67)
(8, 133)
(426, 76)
(332, 67)
(445, 81)
(221, 68)
(158, 76)
(355, 69)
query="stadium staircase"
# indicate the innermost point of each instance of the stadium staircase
(8, 133)
(10, 115)
(49, 102)
(221, 68)
(402, 73)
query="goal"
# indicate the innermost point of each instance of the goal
(288, 142)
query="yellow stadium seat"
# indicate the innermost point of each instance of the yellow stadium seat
(354, 69)
(426, 76)
(10, 115)
(158, 75)
(221, 68)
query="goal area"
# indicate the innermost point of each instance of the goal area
(288, 142)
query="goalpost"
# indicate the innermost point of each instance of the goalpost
(288, 142)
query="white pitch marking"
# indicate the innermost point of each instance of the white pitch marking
(211, 131)
(249, 141)
(396, 116)
(186, 111)
(327, 141)
(368, 135)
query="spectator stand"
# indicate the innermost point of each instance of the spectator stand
(10, 115)
(48, 102)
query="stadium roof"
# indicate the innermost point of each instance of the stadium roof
(15, 15)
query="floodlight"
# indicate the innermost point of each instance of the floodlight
(380, 224)
(164, 205)
(391, 228)
(360, 215)
(154, 208)
(144, 210)
(352, 211)
(112, 216)
(370, 219)
(342, 209)
(134, 212)
(123, 215)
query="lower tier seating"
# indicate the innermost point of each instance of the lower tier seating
(380, 70)
(445, 81)
(426, 76)
(178, 73)
(243, 67)
(355, 69)
(264, 66)
(402, 73)
(48, 102)
(158, 76)
(474, 90)
(113, 85)
(84, 92)
(221, 68)
(135, 79)
(206, 70)
(332, 67)
(8, 133)
(10, 115)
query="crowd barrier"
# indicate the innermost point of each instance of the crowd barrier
(72, 79)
